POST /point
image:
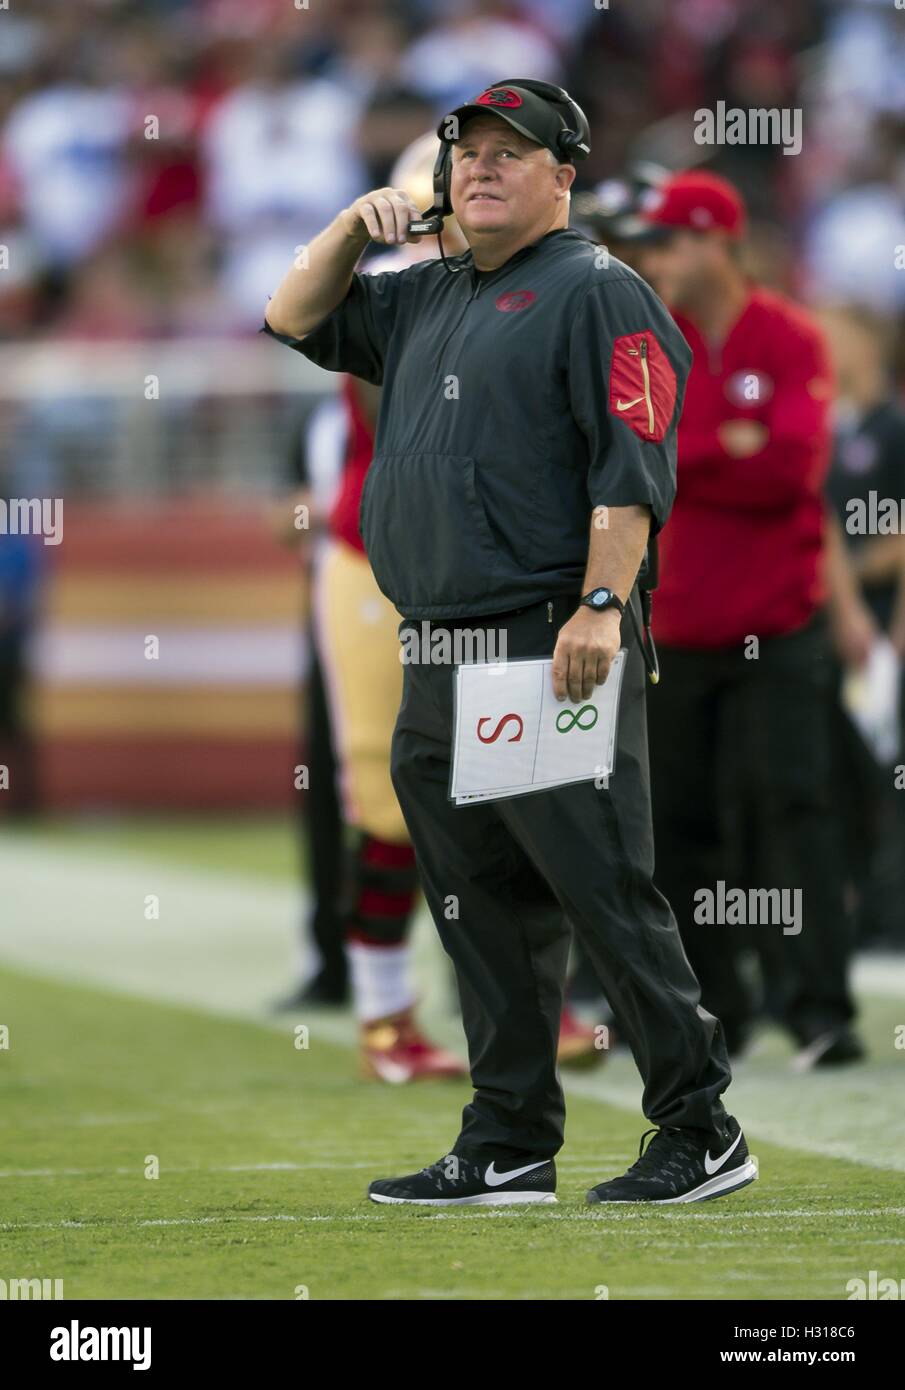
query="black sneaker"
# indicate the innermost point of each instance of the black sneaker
(677, 1167)
(838, 1047)
(327, 989)
(456, 1181)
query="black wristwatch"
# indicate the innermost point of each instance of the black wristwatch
(598, 599)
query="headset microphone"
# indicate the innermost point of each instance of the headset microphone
(431, 222)
(426, 227)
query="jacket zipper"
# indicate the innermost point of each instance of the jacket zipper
(645, 372)
(477, 291)
(455, 327)
(549, 610)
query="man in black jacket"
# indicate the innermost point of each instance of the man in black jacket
(525, 452)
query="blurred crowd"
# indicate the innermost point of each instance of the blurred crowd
(161, 159)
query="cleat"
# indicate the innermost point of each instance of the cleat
(394, 1050)
(577, 1045)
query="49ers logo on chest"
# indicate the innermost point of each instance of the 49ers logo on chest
(514, 300)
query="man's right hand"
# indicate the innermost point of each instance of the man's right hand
(383, 215)
(308, 293)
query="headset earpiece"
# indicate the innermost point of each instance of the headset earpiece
(442, 180)
(573, 144)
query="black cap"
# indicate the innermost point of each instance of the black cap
(532, 115)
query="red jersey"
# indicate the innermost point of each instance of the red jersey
(359, 452)
(741, 552)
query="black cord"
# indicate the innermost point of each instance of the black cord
(450, 269)
(646, 639)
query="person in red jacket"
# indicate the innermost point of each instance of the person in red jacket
(739, 733)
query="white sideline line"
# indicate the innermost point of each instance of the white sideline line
(138, 1169)
(750, 1217)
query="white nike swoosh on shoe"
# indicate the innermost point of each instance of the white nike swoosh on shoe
(713, 1165)
(808, 1056)
(495, 1179)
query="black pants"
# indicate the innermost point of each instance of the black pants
(741, 773)
(504, 879)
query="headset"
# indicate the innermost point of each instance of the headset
(573, 143)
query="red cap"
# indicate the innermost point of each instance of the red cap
(701, 202)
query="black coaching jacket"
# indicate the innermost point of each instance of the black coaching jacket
(515, 402)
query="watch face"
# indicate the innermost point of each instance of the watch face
(600, 597)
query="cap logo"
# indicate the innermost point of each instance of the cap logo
(701, 217)
(498, 96)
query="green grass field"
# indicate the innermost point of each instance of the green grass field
(132, 1040)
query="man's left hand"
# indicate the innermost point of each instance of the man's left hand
(584, 652)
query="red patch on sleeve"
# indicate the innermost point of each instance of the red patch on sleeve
(642, 385)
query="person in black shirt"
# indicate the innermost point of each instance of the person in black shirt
(525, 453)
